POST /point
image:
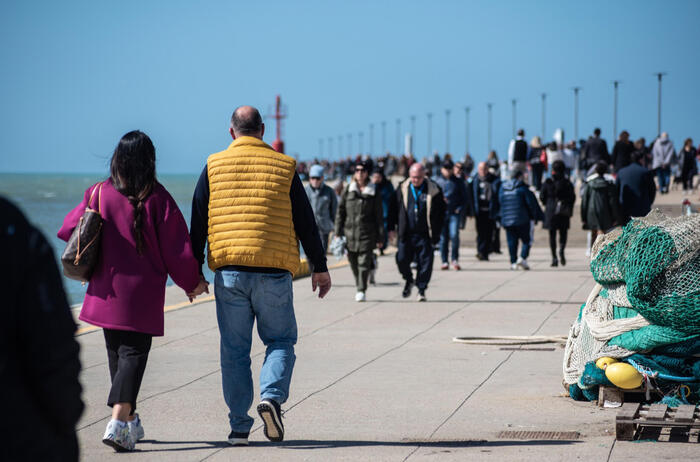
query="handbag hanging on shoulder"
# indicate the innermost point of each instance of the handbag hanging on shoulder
(82, 251)
(563, 209)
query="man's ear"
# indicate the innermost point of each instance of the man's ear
(233, 135)
(262, 131)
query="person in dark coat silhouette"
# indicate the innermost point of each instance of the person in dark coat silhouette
(558, 197)
(622, 151)
(637, 189)
(599, 202)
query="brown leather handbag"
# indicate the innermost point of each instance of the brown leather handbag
(82, 251)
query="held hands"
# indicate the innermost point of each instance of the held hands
(201, 288)
(322, 281)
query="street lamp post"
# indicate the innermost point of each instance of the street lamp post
(658, 116)
(616, 83)
(383, 136)
(371, 139)
(398, 136)
(576, 90)
(544, 130)
(514, 102)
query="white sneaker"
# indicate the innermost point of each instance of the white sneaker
(136, 429)
(360, 297)
(514, 266)
(117, 436)
(522, 263)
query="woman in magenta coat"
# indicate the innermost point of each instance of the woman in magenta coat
(144, 239)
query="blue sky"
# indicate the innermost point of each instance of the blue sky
(79, 74)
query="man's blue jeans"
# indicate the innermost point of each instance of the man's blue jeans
(450, 236)
(664, 175)
(241, 298)
(515, 233)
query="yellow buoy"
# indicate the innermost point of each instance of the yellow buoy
(604, 362)
(623, 375)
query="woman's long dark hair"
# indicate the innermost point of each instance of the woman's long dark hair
(133, 173)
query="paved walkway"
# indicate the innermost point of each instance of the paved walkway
(382, 380)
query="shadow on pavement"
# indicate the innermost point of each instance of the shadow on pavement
(332, 444)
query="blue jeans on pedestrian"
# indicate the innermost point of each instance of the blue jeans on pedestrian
(243, 297)
(450, 236)
(515, 233)
(664, 175)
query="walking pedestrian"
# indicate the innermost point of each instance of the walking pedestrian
(517, 153)
(636, 187)
(455, 194)
(39, 354)
(144, 240)
(558, 197)
(535, 159)
(386, 192)
(595, 150)
(417, 215)
(663, 156)
(253, 247)
(361, 221)
(622, 151)
(688, 165)
(485, 187)
(518, 208)
(599, 203)
(323, 203)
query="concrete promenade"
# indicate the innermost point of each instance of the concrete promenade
(383, 380)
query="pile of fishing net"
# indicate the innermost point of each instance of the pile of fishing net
(644, 313)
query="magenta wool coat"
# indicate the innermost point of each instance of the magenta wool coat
(127, 290)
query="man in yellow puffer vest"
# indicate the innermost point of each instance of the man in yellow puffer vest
(251, 210)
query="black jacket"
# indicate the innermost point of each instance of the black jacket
(39, 365)
(599, 204)
(555, 190)
(595, 149)
(621, 155)
(637, 190)
(398, 215)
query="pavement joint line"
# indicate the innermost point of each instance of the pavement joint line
(181, 305)
(255, 355)
(159, 346)
(612, 447)
(494, 371)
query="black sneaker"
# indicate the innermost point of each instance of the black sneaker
(407, 289)
(271, 415)
(238, 439)
(562, 259)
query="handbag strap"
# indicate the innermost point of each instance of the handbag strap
(99, 198)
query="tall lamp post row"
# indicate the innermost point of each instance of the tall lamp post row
(467, 109)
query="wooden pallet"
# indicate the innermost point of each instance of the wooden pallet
(617, 395)
(633, 416)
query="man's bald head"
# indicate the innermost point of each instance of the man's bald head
(416, 174)
(483, 169)
(246, 121)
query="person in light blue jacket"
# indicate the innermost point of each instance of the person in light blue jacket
(518, 208)
(323, 202)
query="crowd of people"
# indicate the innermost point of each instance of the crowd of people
(537, 183)
(251, 211)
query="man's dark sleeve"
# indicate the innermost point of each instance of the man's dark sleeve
(199, 222)
(393, 215)
(305, 226)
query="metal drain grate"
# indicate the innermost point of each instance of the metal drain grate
(536, 435)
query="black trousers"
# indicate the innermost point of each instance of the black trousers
(418, 248)
(563, 233)
(127, 353)
(484, 233)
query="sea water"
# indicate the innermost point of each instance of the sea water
(45, 200)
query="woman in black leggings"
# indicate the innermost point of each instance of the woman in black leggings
(558, 197)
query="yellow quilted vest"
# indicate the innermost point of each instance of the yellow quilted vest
(250, 213)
